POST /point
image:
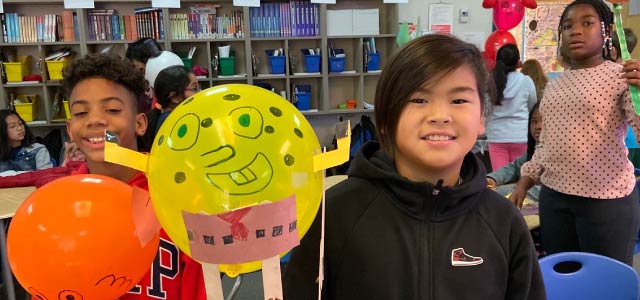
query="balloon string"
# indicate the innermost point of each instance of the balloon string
(633, 90)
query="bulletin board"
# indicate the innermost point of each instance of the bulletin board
(537, 35)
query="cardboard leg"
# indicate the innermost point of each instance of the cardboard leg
(271, 278)
(212, 281)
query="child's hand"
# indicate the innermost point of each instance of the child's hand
(518, 195)
(631, 69)
(491, 183)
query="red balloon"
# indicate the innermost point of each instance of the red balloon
(82, 237)
(490, 63)
(495, 41)
(507, 14)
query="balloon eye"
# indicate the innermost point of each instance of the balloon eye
(184, 133)
(246, 122)
(69, 295)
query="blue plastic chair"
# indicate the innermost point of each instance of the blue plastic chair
(599, 277)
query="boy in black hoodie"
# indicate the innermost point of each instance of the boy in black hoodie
(415, 219)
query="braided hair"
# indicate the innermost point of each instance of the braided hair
(606, 17)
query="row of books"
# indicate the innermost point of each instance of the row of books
(33, 29)
(107, 25)
(283, 19)
(206, 25)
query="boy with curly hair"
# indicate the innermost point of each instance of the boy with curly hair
(103, 94)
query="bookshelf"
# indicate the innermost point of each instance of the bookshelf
(327, 89)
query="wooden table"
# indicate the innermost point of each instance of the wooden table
(10, 200)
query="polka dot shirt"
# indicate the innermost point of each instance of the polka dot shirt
(584, 121)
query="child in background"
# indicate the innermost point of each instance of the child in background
(415, 219)
(103, 96)
(504, 180)
(533, 69)
(18, 149)
(138, 53)
(587, 201)
(630, 139)
(173, 85)
(507, 123)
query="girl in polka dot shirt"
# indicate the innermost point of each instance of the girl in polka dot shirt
(587, 202)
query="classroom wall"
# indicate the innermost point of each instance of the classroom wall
(480, 19)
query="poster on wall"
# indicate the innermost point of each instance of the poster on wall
(441, 18)
(537, 35)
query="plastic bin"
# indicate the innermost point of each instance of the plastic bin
(277, 64)
(55, 68)
(336, 64)
(187, 62)
(227, 66)
(67, 111)
(27, 109)
(303, 101)
(312, 63)
(303, 96)
(374, 62)
(17, 70)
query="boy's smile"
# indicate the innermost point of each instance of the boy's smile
(97, 105)
(438, 127)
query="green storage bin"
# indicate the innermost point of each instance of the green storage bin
(227, 66)
(187, 62)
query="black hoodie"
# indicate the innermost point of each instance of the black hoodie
(390, 238)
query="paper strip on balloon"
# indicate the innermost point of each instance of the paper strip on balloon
(341, 154)
(147, 225)
(247, 234)
(633, 90)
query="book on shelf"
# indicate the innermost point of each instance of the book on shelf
(285, 19)
(204, 21)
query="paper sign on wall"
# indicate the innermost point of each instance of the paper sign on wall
(79, 4)
(396, 1)
(441, 18)
(252, 3)
(324, 1)
(476, 38)
(166, 3)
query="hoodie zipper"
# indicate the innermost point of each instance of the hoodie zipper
(436, 189)
(426, 292)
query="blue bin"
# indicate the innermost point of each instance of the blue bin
(303, 101)
(312, 63)
(336, 64)
(374, 62)
(277, 64)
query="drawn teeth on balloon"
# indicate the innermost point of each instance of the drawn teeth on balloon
(244, 176)
(251, 178)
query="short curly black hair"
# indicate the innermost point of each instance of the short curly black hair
(104, 66)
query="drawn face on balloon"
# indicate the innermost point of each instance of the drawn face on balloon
(102, 284)
(508, 13)
(229, 147)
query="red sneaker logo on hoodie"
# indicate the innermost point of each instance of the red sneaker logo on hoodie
(459, 258)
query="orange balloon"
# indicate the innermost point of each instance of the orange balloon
(618, 1)
(79, 238)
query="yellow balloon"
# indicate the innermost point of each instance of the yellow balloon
(228, 147)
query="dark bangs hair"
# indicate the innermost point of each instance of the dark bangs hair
(423, 60)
